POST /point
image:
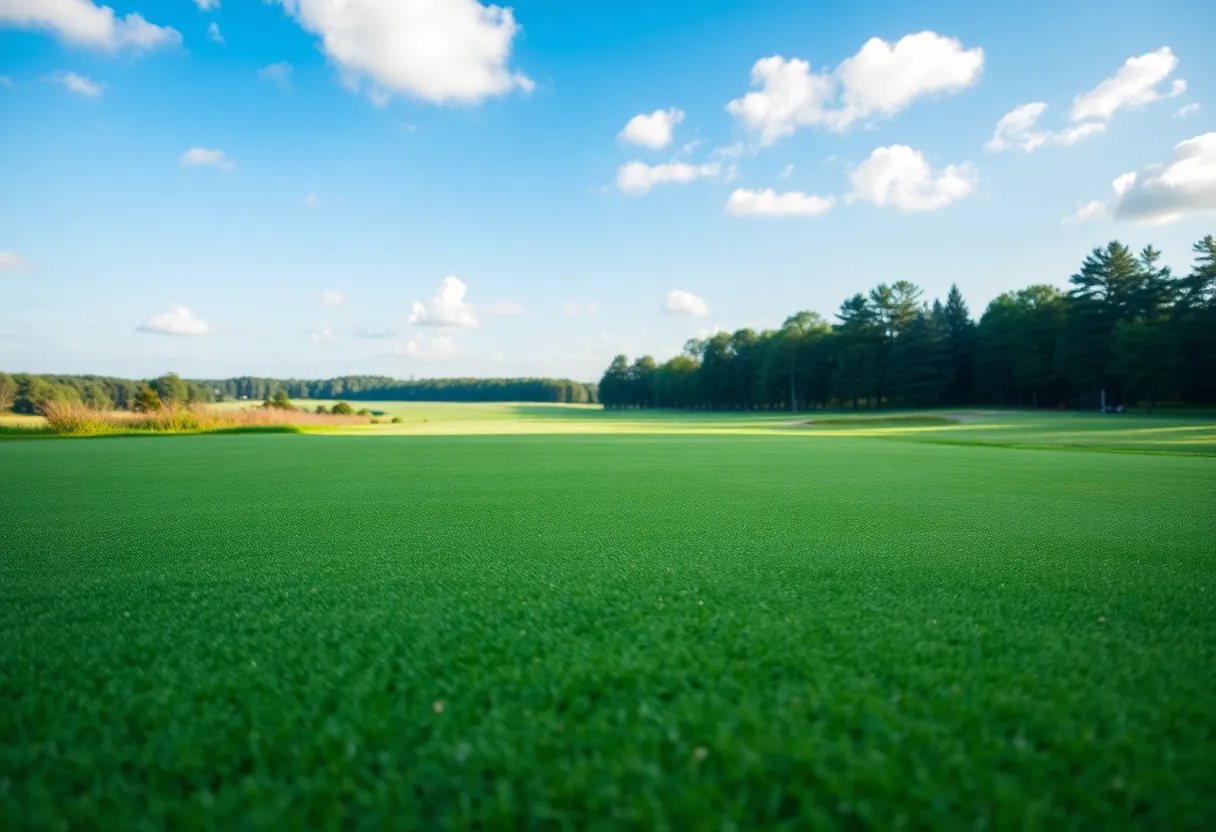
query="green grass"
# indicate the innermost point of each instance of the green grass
(651, 631)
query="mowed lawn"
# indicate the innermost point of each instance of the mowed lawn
(670, 632)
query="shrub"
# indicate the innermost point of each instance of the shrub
(396, 420)
(280, 401)
(76, 419)
(342, 409)
(147, 400)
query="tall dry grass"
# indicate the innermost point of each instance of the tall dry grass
(74, 419)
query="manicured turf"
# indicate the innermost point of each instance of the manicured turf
(577, 631)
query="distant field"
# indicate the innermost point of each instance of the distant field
(790, 630)
(1185, 433)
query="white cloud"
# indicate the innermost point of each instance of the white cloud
(78, 84)
(202, 157)
(11, 261)
(768, 203)
(84, 23)
(207, 5)
(1016, 131)
(322, 335)
(213, 32)
(637, 178)
(332, 297)
(426, 348)
(1089, 211)
(879, 81)
(177, 321)
(1188, 110)
(312, 201)
(1166, 193)
(505, 309)
(730, 151)
(1133, 85)
(579, 309)
(654, 130)
(434, 50)
(785, 174)
(680, 302)
(279, 73)
(377, 332)
(446, 309)
(900, 176)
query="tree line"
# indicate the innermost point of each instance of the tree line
(383, 388)
(29, 393)
(1126, 331)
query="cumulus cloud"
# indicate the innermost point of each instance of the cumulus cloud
(881, 80)
(213, 32)
(654, 130)
(901, 177)
(332, 297)
(84, 23)
(505, 309)
(447, 309)
(279, 74)
(637, 178)
(579, 309)
(434, 50)
(680, 302)
(78, 84)
(426, 348)
(1133, 85)
(11, 261)
(1016, 131)
(1092, 210)
(322, 335)
(202, 157)
(768, 203)
(177, 321)
(1164, 193)
(1188, 110)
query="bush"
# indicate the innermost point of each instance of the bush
(76, 419)
(147, 400)
(280, 401)
(342, 409)
(396, 420)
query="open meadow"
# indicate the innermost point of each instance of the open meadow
(650, 620)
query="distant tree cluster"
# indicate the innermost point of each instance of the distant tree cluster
(27, 393)
(383, 388)
(1127, 329)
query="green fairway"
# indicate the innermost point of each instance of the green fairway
(800, 629)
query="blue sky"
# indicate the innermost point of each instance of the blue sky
(431, 188)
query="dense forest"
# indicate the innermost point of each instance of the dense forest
(1126, 332)
(28, 393)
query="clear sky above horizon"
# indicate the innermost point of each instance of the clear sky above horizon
(312, 188)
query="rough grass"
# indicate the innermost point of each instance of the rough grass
(73, 419)
(673, 632)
